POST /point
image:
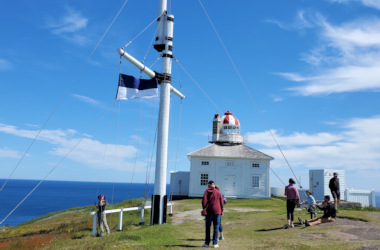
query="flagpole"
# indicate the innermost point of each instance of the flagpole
(164, 42)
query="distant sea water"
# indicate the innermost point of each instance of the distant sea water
(53, 196)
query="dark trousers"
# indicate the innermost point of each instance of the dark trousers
(215, 220)
(290, 205)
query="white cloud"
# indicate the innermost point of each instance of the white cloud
(296, 139)
(355, 147)
(8, 153)
(5, 64)
(89, 151)
(370, 3)
(69, 26)
(300, 22)
(347, 59)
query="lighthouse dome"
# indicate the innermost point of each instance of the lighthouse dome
(226, 129)
(229, 119)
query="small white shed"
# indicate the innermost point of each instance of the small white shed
(319, 182)
(179, 184)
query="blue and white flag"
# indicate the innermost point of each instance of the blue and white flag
(131, 87)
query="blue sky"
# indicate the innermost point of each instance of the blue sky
(312, 68)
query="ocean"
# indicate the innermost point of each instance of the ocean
(53, 196)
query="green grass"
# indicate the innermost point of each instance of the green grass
(72, 229)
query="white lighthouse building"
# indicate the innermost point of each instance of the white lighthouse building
(239, 170)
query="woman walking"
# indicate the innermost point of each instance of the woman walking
(292, 198)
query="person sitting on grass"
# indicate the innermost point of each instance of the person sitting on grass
(329, 214)
(311, 202)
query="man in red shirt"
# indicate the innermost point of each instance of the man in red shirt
(213, 202)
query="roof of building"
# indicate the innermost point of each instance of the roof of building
(230, 151)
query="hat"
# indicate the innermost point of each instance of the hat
(211, 182)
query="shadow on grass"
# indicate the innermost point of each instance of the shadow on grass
(193, 239)
(277, 228)
(180, 246)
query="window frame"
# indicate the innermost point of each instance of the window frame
(256, 181)
(230, 163)
(203, 180)
(205, 161)
(255, 163)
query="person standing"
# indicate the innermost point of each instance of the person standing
(335, 189)
(221, 237)
(102, 220)
(292, 199)
(212, 202)
(311, 202)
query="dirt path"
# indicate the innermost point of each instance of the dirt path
(195, 215)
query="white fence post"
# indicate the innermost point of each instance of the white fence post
(120, 220)
(372, 198)
(120, 211)
(94, 226)
(142, 216)
(171, 210)
(346, 194)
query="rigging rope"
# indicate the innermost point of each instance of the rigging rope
(139, 34)
(63, 96)
(59, 163)
(246, 88)
(175, 58)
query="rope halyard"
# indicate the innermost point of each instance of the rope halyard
(246, 88)
(204, 92)
(141, 32)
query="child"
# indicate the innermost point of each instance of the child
(311, 202)
(220, 225)
(102, 220)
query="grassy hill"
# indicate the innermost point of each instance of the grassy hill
(248, 224)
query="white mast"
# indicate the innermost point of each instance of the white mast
(164, 44)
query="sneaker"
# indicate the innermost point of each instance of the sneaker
(292, 226)
(315, 215)
(301, 221)
(205, 245)
(216, 246)
(286, 226)
(221, 238)
(307, 224)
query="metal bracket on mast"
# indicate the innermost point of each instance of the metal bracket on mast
(152, 74)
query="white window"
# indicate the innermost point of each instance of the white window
(204, 179)
(255, 181)
(230, 163)
(255, 165)
(205, 163)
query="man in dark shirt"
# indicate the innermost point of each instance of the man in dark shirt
(335, 189)
(329, 214)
